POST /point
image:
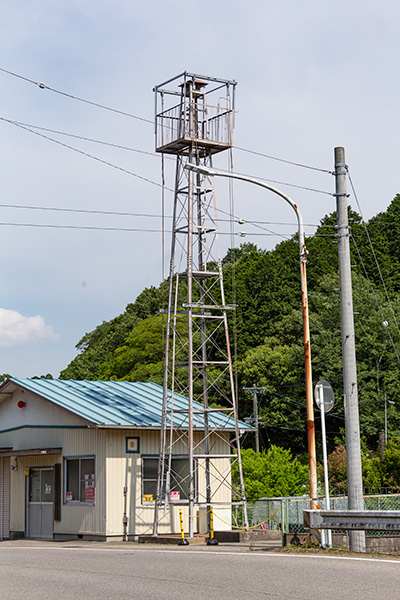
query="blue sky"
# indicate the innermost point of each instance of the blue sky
(311, 76)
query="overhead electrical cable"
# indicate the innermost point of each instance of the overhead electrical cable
(30, 130)
(288, 162)
(375, 296)
(16, 124)
(84, 211)
(85, 227)
(373, 251)
(146, 215)
(86, 139)
(29, 126)
(43, 86)
(294, 185)
(105, 162)
(302, 404)
(99, 228)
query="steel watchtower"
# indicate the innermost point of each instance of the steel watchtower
(194, 120)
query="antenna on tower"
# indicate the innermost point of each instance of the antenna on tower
(193, 121)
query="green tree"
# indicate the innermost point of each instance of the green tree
(47, 376)
(140, 358)
(98, 346)
(372, 469)
(271, 473)
(391, 464)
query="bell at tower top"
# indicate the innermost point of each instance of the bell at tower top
(194, 87)
(194, 113)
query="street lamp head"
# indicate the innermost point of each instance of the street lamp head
(199, 169)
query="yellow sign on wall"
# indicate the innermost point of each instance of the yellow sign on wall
(26, 471)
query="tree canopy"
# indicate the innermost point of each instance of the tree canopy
(267, 325)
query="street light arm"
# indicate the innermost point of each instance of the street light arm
(214, 173)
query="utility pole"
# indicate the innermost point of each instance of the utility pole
(386, 401)
(254, 391)
(353, 449)
(255, 411)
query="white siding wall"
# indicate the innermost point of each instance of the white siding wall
(125, 470)
(36, 411)
(115, 469)
(74, 442)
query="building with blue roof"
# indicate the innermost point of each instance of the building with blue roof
(79, 459)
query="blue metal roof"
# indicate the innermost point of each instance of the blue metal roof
(119, 403)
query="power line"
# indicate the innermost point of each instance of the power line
(98, 228)
(16, 124)
(289, 162)
(294, 185)
(375, 296)
(86, 139)
(268, 233)
(373, 251)
(105, 162)
(43, 86)
(85, 227)
(83, 210)
(28, 127)
(149, 215)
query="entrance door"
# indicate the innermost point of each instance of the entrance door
(40, 503)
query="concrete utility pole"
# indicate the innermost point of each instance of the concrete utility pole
(353, 450)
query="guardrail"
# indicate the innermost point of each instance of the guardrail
(372, 520)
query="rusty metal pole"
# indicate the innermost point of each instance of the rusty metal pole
(306, 326)
(312, 460)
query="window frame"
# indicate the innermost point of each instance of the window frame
(144, 480)
(79, 458)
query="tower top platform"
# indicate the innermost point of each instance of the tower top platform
(194, 113)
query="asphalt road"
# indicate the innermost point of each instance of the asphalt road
(56, 571)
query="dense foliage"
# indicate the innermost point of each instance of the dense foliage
(271, 473)
(268, 328)
(380, 472)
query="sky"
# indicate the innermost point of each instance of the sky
(310, 76)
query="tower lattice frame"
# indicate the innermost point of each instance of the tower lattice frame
(194, 120)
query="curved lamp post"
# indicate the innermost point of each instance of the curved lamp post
(306, 327)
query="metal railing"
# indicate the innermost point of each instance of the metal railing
(196, 122)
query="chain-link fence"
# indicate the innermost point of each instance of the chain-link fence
(286, 513)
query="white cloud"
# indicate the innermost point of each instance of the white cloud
(18, 330)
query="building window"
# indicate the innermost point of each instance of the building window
(178, 478)
(79, 480)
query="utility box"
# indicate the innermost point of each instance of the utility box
(202, 521)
